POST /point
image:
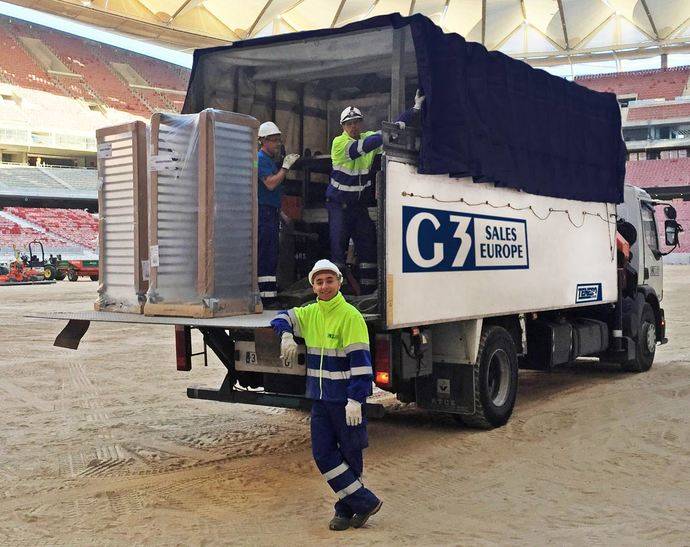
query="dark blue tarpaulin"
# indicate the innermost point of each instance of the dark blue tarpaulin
(495, 118)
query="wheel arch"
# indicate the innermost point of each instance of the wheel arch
(652, 299)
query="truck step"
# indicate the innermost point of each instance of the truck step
(373, 410)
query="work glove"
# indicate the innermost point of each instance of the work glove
(353, 412)
(418, 100)
(289, 160)
(288, 348)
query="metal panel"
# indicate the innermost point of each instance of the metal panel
(233, 243)
(176, 164)
(123, 214)
(441, 241)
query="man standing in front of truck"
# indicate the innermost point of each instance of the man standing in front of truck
(352, 154)
(270, 191)
(339, 379)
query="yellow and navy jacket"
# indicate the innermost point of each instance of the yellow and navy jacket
(352, 162)
(337, 340)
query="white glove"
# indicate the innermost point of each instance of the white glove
(289, 160)
(353, 412)
(288, 348)
(418, 100)
(401, 125)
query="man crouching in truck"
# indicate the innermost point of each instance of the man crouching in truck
(339, 379)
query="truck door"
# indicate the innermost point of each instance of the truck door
(653, 261)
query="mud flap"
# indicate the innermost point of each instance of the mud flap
(450, 388)
(72, 334)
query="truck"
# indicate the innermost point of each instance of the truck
(481, 271)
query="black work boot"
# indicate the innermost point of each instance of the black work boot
(360, 519)
(339, 523)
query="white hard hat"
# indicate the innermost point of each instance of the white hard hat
(350, 113)
(268, 128)
(324, 265)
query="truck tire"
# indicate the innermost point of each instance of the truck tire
(49, 273)
(495, 380)
(93, 277)
(72, 275)
(645, 342)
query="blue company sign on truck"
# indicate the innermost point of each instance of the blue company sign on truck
(588, 292)
(445, 241)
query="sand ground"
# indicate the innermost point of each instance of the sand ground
(101, 446)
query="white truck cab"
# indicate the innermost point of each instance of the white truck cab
(638, 209)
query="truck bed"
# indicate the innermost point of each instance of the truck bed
(248, 321)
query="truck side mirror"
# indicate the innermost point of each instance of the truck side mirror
(671, 229)
(670, 212)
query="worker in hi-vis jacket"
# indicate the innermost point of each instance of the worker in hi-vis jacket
(339, 379)
(352, 155)
(270, 191)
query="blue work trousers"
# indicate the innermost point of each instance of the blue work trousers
(269, 231)
(353, 221)
(337, 450)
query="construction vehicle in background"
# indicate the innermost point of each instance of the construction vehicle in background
(74, 269)
(57, 268)
(18, 272)
(49, 267)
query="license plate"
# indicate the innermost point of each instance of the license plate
(247, 359)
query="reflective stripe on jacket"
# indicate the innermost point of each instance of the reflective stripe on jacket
(337, 340)
(352, 161)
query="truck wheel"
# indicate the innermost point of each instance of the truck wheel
(645, 342)
(72, 275)
(49, 273)
(495, 380)
(93, 277)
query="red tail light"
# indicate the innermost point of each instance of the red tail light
(183, 347)
(382, 361)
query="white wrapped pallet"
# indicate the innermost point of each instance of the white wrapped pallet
(471, 250)
(123, 218)
(203, 224)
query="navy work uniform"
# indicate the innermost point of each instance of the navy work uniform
(269, 230)
(338, 368)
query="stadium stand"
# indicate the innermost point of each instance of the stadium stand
(93, 79)
(13, 235)
(652, 173)
(662, 83)
(18, 68)
(79, 179)
(659, 112)
(29, 178)
(73, 225)
(38, 110)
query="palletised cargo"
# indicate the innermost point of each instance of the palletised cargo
(203, 215)
(123, 217)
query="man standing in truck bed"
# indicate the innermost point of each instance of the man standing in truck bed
(339, 379)
(353, 153)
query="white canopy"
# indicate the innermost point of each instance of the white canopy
(543, 32)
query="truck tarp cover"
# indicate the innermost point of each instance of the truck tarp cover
(492, 117)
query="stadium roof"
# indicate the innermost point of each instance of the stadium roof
(543, 32)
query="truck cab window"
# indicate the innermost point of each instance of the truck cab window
(651, 236)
